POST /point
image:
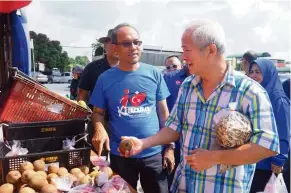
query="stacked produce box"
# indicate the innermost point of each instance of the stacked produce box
(43, 132)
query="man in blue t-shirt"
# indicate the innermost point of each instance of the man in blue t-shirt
(134, 94)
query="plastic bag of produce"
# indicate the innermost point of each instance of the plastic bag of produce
(233, 129)
(115, 185)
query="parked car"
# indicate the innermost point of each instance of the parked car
(39, 77)
(66, 77)
(55, 78)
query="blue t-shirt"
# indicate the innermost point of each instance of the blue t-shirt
(174, 80)
(130, 98)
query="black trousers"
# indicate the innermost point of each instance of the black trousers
(153, 177)
(286, 173)
(260, 180)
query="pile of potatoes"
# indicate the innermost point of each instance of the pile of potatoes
(32, 177)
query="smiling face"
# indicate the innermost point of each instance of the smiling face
(193, 56)
(128, 45)
(173, 64)
(256, 74)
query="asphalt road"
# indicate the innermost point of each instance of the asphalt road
(61, 89)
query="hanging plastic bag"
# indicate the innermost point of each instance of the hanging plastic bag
(16, 149)
(233, 129)
(276, 185)
(69, 144)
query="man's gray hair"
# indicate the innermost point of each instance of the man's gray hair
(205, 32)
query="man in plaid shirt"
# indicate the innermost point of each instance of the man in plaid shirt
(215, 86)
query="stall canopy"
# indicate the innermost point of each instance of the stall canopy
(9, 6)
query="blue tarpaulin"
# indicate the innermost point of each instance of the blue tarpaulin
(20, 52)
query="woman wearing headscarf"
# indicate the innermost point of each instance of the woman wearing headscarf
(264, 72)
(76, 72)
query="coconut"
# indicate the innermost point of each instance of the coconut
(7, 188)
(26, 166)
(51, 176)
(39, 165)
(108, 171)
(49, 189)
(13, 177)
(125, 145)
(86, 180)
(74, 171)
(26, 190)
(62, 171)
(84, 169)
(27, 175)
(79, 175)
(43, 173)
(53, 168)
(37, 182)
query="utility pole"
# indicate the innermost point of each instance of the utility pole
(32, 54)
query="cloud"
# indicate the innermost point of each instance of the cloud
(259, 25)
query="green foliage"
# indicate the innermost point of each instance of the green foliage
(82, 60)
(50, 52)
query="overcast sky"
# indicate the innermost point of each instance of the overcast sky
(249, 24)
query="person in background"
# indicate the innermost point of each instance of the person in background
(286, 171)
(286, 87)
(212, 88)
(94, 69)
(90, 76)
(264, 72)
(247, 58)
(173, 63)
(134, 95)
(174, 80)
(76, 73)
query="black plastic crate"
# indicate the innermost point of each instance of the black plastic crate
(21, 131)
(66, 158)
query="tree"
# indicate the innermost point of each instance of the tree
(82, 60)
(49, 52)
(266, 54)
(98, 47)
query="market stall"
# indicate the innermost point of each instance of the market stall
(44, 147)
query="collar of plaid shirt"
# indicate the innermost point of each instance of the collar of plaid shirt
(193, 118)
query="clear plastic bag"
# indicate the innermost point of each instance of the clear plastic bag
(16, 149)
(69, 144)
(276, 185)
(83, 188)
(233, 129)
(63, 183)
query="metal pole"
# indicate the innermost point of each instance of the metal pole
(32, 54)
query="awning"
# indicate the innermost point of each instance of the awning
(9, 6)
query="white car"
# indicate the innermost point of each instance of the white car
(66, 77)
(39, 77)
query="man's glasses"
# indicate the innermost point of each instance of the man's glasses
(129, 44)
(172, 66)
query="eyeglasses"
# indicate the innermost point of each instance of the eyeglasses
(127, 44)
(172, 66)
